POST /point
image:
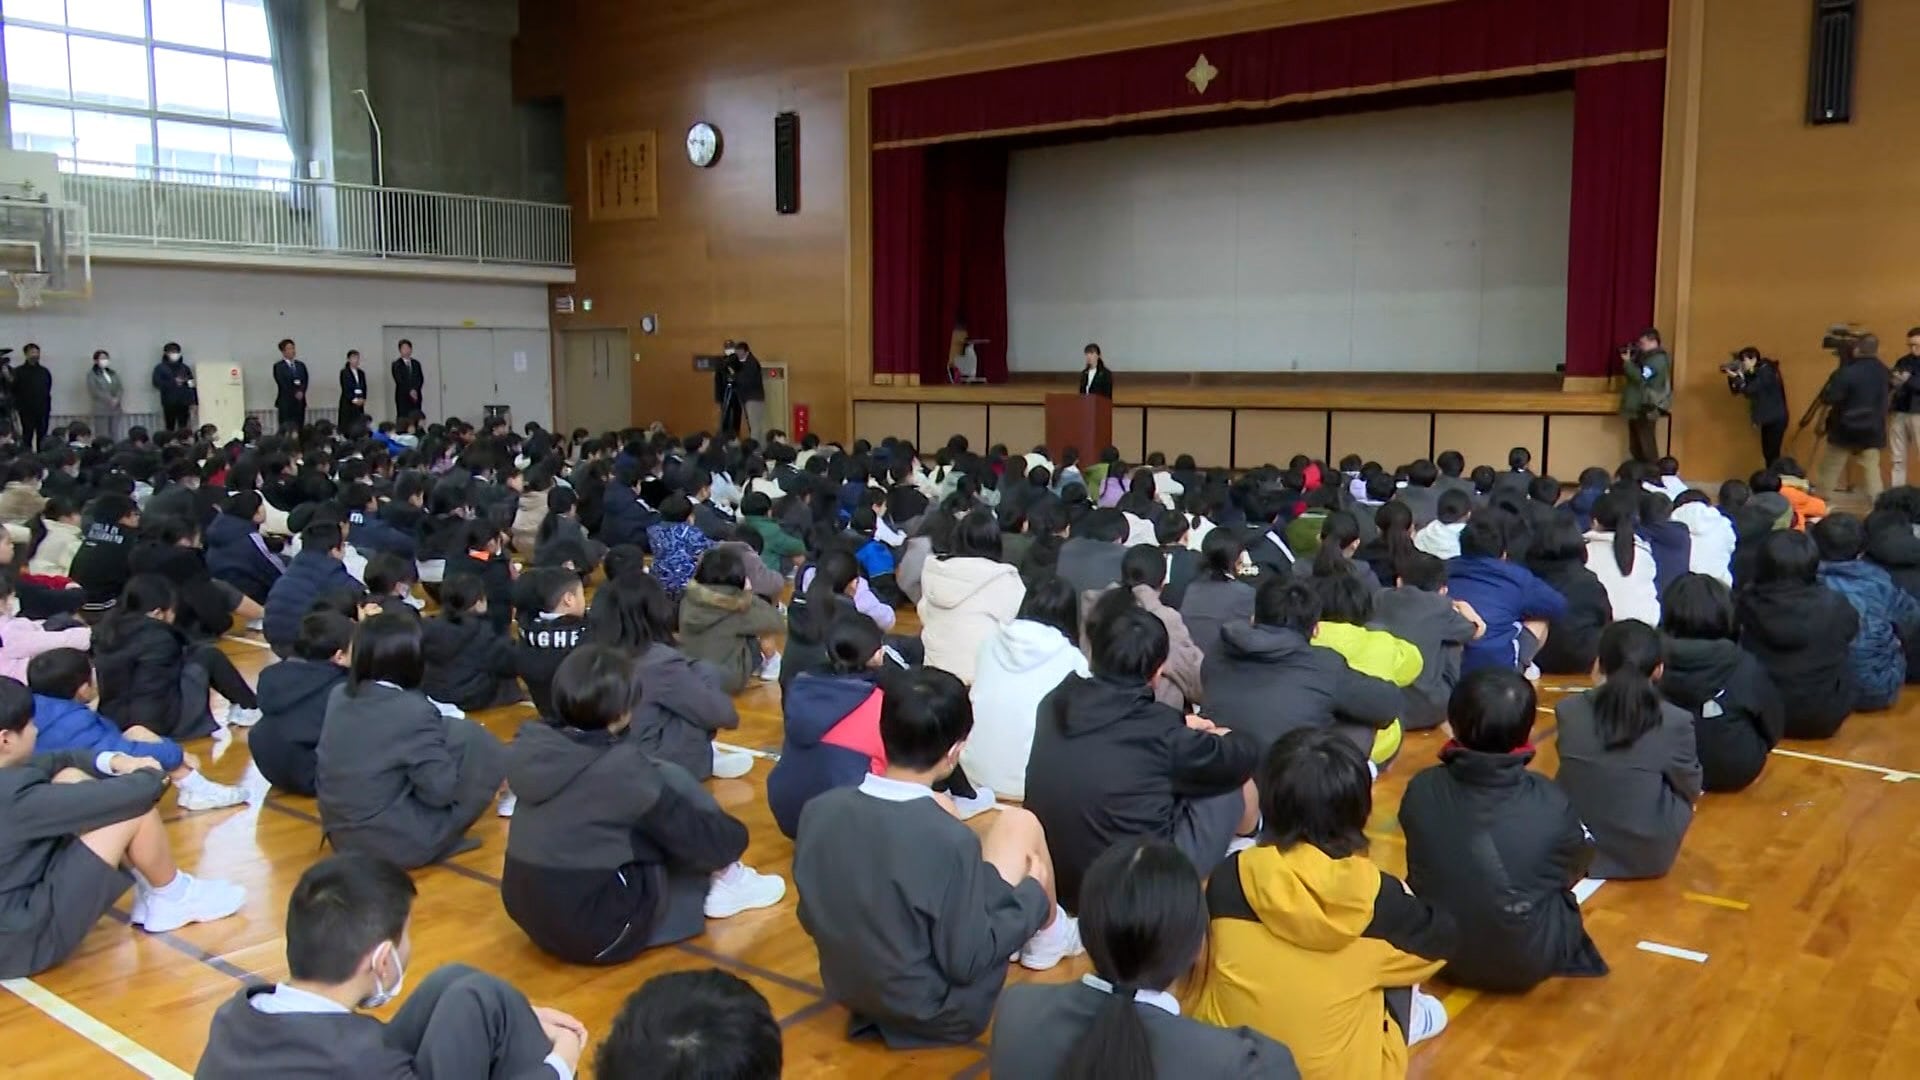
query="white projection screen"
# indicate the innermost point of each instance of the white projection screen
(1426, 239)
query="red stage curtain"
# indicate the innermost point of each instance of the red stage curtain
(939, 257)
(900, 243)
(1613, 235)
(1460, 37)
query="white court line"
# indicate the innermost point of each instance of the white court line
(1584, 889)
(246, 641)
(1669, 950)
(113, 1042)
(1894, 776)
(768, 755)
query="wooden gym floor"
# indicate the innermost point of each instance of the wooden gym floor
(1799, 891)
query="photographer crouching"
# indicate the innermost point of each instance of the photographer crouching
(1857, 397)
(1648, 395)
(1757, 378)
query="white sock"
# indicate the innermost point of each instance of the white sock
(172, 890)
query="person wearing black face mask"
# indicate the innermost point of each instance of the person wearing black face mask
(174, 379)
(104, 389)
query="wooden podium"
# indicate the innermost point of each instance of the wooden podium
(1082, 421)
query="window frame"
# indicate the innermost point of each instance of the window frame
(153, 114)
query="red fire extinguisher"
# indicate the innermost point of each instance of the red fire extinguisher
(800, 416)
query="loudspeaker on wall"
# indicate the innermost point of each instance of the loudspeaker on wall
(786, 162)
(1831, 61)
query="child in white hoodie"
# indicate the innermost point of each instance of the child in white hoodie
(1711, 551)
(1019, 665)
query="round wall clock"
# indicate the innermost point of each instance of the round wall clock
(703, 144)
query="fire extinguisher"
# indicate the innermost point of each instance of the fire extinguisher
(800, 415)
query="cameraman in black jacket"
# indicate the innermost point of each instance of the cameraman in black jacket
(1757, 378)
(1857, 397)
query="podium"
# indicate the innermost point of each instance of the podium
(1082, 421)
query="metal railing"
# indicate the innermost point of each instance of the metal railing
(159, 206)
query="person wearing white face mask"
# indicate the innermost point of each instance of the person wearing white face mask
(174, 379)
(104, 389)
(348, 944)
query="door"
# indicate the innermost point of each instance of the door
(466, 375)
(523, 375)
(595, 380)
(426, 349)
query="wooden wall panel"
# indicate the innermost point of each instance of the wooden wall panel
(1129, 432)
(1207, 434)
(1272, 436)
(1581, 442)
(1392, 439)
(876, 420)
(938, 423)
(1021, 427)
(1485, 438)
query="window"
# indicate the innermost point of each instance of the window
(126, 85)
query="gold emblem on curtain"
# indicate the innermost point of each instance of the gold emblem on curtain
(1202, 74)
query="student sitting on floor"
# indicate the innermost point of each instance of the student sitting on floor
(348, 947)
(1516, 606)
(390, 580)
(682, 705)
(710, 1024)
(1419, 611)
(1018, 668)
(69, 822)
(1497, 846)
(151, 676)
(913, 914)
(63, 696)
(1222, 595)
(550, 636)
(1622, 560)
(1628, 760)
(486, 557)
(1737, 714)
(726, 625)
(1557, 555)
(677, 545)
(314, 572)
(52, 557)
(830, 722)
(1801, 632)
(293, 702)
(1441, 536)
(22, 639)
(611, 851)
(1144, 922)
(1109, 762)
(1888, 615)
(1313, 944)
(395, 778)
(1346, 606)
(469, 661)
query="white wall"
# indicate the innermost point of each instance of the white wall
(1429, 239)
(238, 315)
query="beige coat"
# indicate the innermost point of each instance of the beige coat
(963, 602)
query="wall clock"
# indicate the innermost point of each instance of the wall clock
(703, 144)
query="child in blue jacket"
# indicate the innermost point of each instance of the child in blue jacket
(63, 697)
(832, 722)
(1889, 615)
(1514, 603)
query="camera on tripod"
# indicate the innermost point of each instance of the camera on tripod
(1840, 340)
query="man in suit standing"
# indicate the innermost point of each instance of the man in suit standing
(33, 398)
(290, 380)
(408, 383)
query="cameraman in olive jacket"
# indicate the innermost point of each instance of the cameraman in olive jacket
(1857, 398)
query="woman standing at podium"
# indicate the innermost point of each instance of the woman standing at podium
(1096, 379)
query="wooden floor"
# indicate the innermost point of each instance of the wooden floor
(1801, 891)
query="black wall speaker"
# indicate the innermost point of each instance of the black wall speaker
(1831, 61)
(786, 162)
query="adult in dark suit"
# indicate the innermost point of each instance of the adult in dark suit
(750, 384)
(409, 383)
(353, 392)
(290, 383)
(33, 398)
(1096, 379)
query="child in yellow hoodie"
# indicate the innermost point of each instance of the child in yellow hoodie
(1346, 605)
(1313, 944)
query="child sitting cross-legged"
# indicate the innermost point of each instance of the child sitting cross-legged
(71, 824)
(831, 720)
(469, 658)
(914, 915)
(293, 702)
(22, 639)
(612, 851)
(63, 696)
(551, 635)
(682, 705)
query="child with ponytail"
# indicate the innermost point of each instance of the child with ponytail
(1628, 759)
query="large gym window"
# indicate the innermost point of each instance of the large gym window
(182, 86)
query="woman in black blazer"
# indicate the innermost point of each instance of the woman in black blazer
(1096, 379)
(353, 392)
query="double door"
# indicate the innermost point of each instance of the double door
(595, 380)
(469, 369)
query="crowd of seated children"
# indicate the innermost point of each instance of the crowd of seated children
(1889, 615)
(1516, 606)
(1268, 677)
(1497, 846)
(152, 676)
(1110, 762)
(395, 778)
(293, 696)
(1313, 944)
(1018, 667)
(1801, 632)
(1418, 611)
(1737, 713)
(725, 624)
(469, 661)
(73, 824)
(683, 704)
(1628, 759)
(613, 851)
(349, 944)
(915, 915)
(709, 1023)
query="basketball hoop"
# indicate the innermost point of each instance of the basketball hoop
(29, 286)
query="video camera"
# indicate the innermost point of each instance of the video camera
(1840, 340)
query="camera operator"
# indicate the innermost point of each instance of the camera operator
(1904, 424)
(1857, 396)
(1757, 378)
(1648, 394)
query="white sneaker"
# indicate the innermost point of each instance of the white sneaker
(1532, 673)
(199, 793)
(1429, 1018)
(770, 670)
(507, 804)
(258, 625)
(239, 717)
(731, 764)
(197, 901)
(1053, 943)
(983, 800)
(1240, 844)
(740, 888)
(255, 784)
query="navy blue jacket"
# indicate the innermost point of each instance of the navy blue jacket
(311, 575)
(1504, 595)
(237, 555)
(819, 706)
(372, 533)
(625, 519)
(1672, 548)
